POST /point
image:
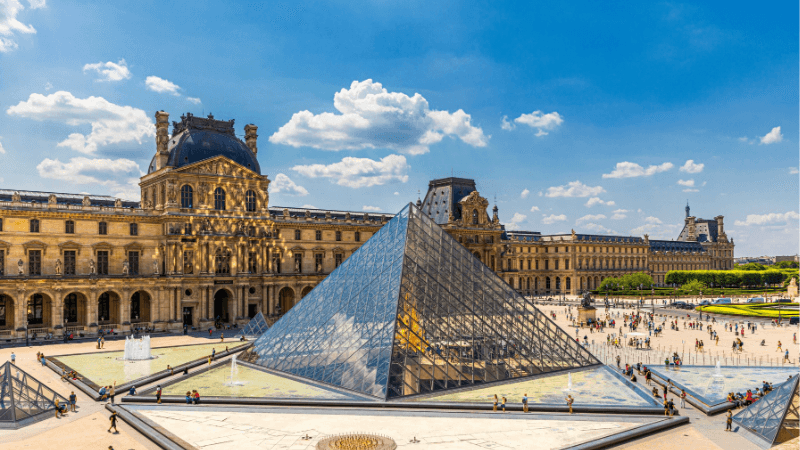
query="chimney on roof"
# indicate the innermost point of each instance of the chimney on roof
(250, 137)
(691, 229)
(162, 139)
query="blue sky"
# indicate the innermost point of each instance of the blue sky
(602, 118)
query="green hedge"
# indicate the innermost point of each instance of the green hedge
(731, 278)
(749, 310)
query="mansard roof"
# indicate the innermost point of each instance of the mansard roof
(675, 246)
(63, 198)
(441, 200)
(314, 213)
(706, 231)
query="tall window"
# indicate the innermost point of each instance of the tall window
(187, 196)
(2, 262)
(133, 263)
(252, 262)
(187, 229)
(318, 235)
(318, 262)
(135, 306)
(4, 301)
(69, 227)
(569, 283)
(71, 308)
(546, 265)
(297, 235)
(250, 201)
(547, 283)
(219, 199)
(556, 264)
(276, 262)
(474, 216)
(338, 235)
(558, 283)
(103, 307)
(34, 225)
(298, 262)
(358, 236)
(36, 309)
(69, 262)
(34, 262)
(222, 260)
(102, 228)
(1, 224)
(188, 261)
(338, 259)
(102, 262)
(134, 229)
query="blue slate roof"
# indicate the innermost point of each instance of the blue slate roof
(443, 196)
(63, 198)
(675, 246)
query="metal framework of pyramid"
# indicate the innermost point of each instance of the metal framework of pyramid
(256, 327)
(23, 398)
(413, 312)
(774, 418)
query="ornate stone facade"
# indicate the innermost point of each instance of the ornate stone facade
(204, 243)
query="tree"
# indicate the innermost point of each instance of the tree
(787, 265)
(750, 266)
(694, 286)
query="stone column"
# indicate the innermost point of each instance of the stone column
(20, 310)
(57, 310)
(91, 309)
(125, 309)
(264, 299)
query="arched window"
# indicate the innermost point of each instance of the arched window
(219, 199)
(187, 196)
(36, 309)
(250, 201)
(547, 283)
(71, 308)
(474, 216)
(558, 283)
(569, 284)
(103, 304)
(222, 261)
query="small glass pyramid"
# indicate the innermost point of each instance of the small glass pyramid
(774, 417)
(23, 398)
(256, 327)
(412, 312)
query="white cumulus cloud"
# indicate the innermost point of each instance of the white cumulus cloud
(284, 184)
(534, 208)
(691, 167)
(524, 193)
(688, 183)
(111, 124)
(372, 117)
(691, 190)
(773, 137)
(120, 176)
(370, 208)
(628, 169)
(506, 125)
(110, 71)
(544, 123)
(619, 214)
(651, 219)
(590, 217)
(552, 218)
(360, 172)
(574, 189)
(194, 100)
(161, 85)
(766, 219)
(793, 171)
(596, 227)
(2, 149)
(10, 27)
(597, 201)
(309, 206)
(516, 219)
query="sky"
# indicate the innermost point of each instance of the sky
(602, 118)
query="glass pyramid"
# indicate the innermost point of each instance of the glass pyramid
(412, 312)
(774, 417)
(23, 397)
(256, 327)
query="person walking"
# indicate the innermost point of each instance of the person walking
(728, 421)
(113, 420)
(221, 337)
(570, 400)
(503, 405)
(494, 408)
(525, 402)
(58, 408)
(779, 347)
(72, 400)
(13, 358)
(158, 394)
(102, 341)
(786, 356)
(113, 392)
(683, 399)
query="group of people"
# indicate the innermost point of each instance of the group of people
(502, 403)
(193, 397)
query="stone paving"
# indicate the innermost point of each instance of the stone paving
(284, 428)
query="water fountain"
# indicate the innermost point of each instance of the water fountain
(137, 349)
(234, 373)
(569, 383)
(717, 383)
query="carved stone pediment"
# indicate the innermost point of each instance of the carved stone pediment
(219, 166)
(69, 245)
(133, 246)
(297, 249)
(35, 245)
(103, 246)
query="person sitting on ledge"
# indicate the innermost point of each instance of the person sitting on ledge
(633, 377)
(195, 397)
(102, 393)
(655, 392)
(188, 398)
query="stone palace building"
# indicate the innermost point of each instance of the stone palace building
(204, 243)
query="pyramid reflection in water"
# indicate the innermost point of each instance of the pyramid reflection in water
(410, 312)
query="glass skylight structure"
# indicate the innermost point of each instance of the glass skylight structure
(773, 415)
(256, 327)
(414, 312)
(23, 398)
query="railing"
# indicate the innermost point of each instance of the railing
(73, 329)
(38, 330)
(6, 333)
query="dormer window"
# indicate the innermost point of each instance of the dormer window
(474, 216)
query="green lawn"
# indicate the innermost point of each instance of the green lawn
(752, 310)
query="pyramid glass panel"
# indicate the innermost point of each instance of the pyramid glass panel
(765, 417)
(23, 397)
(256, 327)
(413, 312)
